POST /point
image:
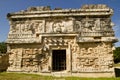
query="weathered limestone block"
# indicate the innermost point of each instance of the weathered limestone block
(4, 62)
(93, 58)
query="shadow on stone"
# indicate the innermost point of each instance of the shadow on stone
(4, 62)
(117, 72)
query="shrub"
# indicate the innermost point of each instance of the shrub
(117, 55)
(3, 47)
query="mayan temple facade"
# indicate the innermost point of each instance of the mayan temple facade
(69, 42)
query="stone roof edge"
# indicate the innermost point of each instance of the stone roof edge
(63, 12)
(59, 13)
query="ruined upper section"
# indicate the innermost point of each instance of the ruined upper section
(45, 11)
(41, 8)
(99, 6)
(47, 8)
(89, 24)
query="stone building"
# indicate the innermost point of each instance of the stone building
(77, 42)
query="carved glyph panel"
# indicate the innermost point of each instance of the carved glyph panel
(92, 57)
(15, 58)
(27, 27)
(26, 31)
(35, 60)
(92, 24)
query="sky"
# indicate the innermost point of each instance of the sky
(8, 6)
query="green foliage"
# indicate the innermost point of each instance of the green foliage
(3, 47)
(117, 55)
(117, 65)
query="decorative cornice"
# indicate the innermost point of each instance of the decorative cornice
(88, 10)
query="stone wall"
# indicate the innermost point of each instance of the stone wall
(90, 57)
(4, 62)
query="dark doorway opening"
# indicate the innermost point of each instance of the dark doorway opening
(58, 60)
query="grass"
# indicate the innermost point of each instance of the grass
(23, 76)
(117, 65)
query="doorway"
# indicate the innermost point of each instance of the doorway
(58, 60)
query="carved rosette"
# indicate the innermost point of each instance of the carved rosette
(59, 26)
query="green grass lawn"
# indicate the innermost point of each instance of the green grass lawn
(117, 65)
(23, 76)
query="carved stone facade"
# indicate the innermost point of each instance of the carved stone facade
(39, 36)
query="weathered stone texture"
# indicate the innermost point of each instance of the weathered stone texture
(85, 34)
(4, 62)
